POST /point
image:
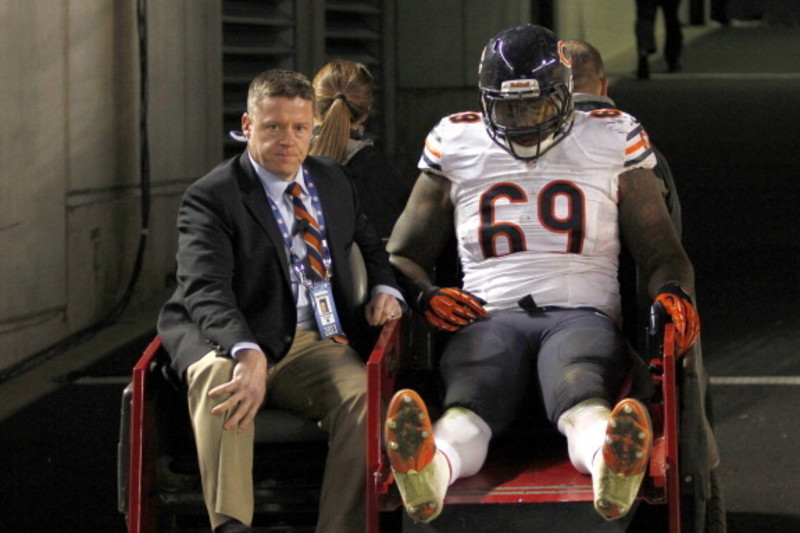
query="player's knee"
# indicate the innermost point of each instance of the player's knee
(579, 382)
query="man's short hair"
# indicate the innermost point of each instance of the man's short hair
(278, 82)
(587, 64)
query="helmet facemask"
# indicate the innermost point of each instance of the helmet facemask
(528, 123)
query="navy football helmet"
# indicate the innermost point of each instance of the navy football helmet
(525, 82)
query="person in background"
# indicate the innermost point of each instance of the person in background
(344, 98)
(263, 242)
(646, 38)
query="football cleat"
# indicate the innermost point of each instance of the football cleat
(421, 471)
(619, 468)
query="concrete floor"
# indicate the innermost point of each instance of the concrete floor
(727, 124)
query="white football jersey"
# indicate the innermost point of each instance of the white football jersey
(548, 229)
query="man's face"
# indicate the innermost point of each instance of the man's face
(279, 134)
(524, 115)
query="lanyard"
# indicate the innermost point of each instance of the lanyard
(288, 238)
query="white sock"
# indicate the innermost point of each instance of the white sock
(584, 425)
(463, 437)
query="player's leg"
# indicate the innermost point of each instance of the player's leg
(582, 364)
(485, 369)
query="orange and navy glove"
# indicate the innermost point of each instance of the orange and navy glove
(450, 309)
(678, 305)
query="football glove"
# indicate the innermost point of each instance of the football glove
(450, 309)
(678, 305)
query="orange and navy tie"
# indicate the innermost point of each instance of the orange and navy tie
(311, 234)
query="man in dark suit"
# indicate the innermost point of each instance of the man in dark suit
(246, 325)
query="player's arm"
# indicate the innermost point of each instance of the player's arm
(418, 237)
(649, 234)
(422, 230)
(651, 239)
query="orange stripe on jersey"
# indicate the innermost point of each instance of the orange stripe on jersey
(431, 150)
(635, 147)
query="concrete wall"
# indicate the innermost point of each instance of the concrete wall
(607, 24)
(69, 154)
(439, 46)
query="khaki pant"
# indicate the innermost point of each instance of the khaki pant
(319, 380)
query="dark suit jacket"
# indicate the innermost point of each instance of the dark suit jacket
(233, 271)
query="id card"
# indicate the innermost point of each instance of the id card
(328, 324)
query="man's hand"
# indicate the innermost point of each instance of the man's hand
(450, 309)
(381, 308)
(679, 307)
(247, 389)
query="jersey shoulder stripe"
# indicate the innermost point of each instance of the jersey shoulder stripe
(426, 163)
(615, 136)
(455, 138)
(637, 148)
(432, 150)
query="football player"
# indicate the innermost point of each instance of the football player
(540, 197)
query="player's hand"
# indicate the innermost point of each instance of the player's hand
(678, 305)
(450, 309)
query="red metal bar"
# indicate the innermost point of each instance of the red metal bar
(381, 369)
(670, 391)
(142, 508)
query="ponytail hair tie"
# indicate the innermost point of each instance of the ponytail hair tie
(340, 95)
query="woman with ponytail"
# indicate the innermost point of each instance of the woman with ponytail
(344, 95)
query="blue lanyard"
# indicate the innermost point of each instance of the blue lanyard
(298, 265)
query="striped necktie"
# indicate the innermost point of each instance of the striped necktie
(311, 233)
